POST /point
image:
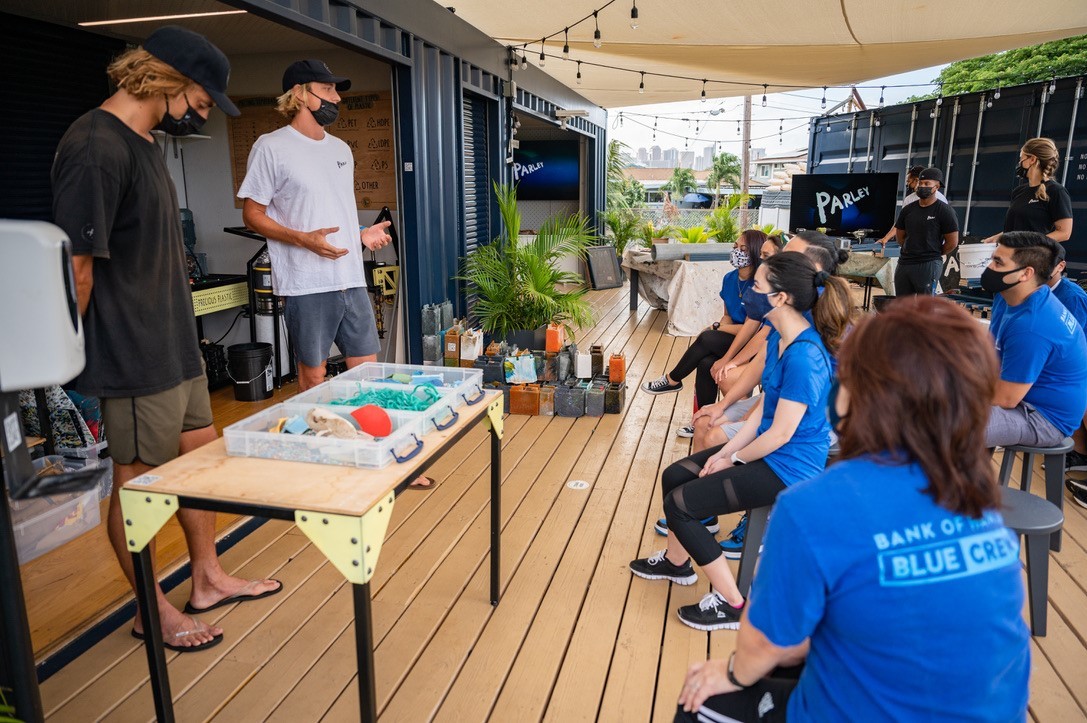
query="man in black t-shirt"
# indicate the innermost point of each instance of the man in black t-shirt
(926, 230)
(114, 198)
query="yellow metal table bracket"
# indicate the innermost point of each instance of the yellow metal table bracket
(351, 544)
(494, 416)
(145, 513)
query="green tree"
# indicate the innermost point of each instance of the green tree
(1056, 59)
(726, 169)
(681, 182)
(617, 161)
(633, 192)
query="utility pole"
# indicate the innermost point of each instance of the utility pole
(745, 159)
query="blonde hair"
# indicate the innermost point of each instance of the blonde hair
(1045, 150)
(141, 74)
(289, 104)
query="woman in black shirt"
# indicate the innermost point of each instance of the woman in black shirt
(1042, 204)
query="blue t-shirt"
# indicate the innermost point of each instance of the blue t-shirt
(732, 291)
(802, 374)
(1074, 299)
(914, 613)
(1040, 343)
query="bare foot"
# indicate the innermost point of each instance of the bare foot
(422, 483)
(180, 630)
(236, 589)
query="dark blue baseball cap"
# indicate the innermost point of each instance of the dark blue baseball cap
(312, 71)
(193, 55)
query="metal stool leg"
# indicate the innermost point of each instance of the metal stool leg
(1054, 491)
(1006, 467)
(1026, 472)
(749, 556)
(1037, 581)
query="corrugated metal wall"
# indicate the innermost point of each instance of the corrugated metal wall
(974, 139)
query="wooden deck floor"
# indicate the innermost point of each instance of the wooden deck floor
(574, 638)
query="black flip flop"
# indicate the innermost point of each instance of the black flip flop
(185, 648)
(231, 599)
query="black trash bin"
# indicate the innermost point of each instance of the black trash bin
(251, 369)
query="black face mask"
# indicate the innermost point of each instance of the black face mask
(993, 280)
(833, 417)
(925, 191)
(1020, 171)
(327, 113)
(188, 124)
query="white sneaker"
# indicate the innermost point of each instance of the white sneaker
(687, 431)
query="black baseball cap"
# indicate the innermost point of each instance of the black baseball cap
(193, 55)
(916, 170)
(311, 71)
(931, 174)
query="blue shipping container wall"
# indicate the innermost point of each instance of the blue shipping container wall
(974, 139)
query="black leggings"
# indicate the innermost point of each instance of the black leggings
(689, 498)
(710, 346)
(763, 702)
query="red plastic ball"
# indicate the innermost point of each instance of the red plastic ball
(373, 420)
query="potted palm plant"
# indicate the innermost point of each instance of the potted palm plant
(517, 286)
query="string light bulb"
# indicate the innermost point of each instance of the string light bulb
(1052, 86)
(524, 61)
(996, 95)
(543, 58)
(634, 15)
(579, 72)
(823, 104)
(881, 89)
(737, 127)
(764, 95)
(641, 84)
(703, 90)
(989, 101)
(566, 44)
(596, 33)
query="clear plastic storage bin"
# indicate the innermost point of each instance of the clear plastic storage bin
(441, 414)
(462, 386)
(45, 523)
(251, 438)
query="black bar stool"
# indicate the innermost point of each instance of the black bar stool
(749, 555)
(1036, 521)
(1054, 474)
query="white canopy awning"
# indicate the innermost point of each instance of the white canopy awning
(782, 43)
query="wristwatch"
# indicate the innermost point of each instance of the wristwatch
(731, 675)
(736, 460)
(716, 325)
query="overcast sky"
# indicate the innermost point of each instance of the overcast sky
(788, 110)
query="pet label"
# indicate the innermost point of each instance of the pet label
(268, 378)
(144, 480)
(12, 431)
(577, 484)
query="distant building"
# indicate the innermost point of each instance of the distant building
(654, 178)
(686, 159)
(643, 157)
(769, 163)
(707, 157)
(671, 158)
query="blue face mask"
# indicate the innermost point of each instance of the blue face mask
(756, 305)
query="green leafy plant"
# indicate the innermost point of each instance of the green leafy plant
(693, 235)
(726, 169)
(648, 233)
(681, 182)
(769, 229)
(517, 285)
(623, 224)
(722, 221)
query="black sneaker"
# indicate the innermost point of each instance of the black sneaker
(686, 431)
(658, 567)
(1079, 495)
(1070, 483)
(711, 613)
(1075, 462)
(661, 386)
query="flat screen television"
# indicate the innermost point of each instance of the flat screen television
(843, 202)
(547, 171)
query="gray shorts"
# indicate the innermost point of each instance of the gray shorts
(920, 278)
(1023, 425)
(346, 317)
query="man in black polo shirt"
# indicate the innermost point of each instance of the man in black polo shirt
(926, 230)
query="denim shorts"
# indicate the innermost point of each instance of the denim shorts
(346, 317)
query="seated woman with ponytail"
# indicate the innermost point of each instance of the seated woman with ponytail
(784, 442)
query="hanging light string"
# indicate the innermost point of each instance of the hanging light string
(685, 119)
(711, 140)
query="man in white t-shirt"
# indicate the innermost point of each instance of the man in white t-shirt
(299, 192)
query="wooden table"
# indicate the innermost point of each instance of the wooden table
(344, 511)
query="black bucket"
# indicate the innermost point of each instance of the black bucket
(250, 367)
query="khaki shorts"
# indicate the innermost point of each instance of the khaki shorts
(148, 429)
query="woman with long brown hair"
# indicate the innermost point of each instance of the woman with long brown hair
(1041, 204)
(890, 576)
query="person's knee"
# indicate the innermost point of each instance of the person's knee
(673, 507)
(674, 475)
